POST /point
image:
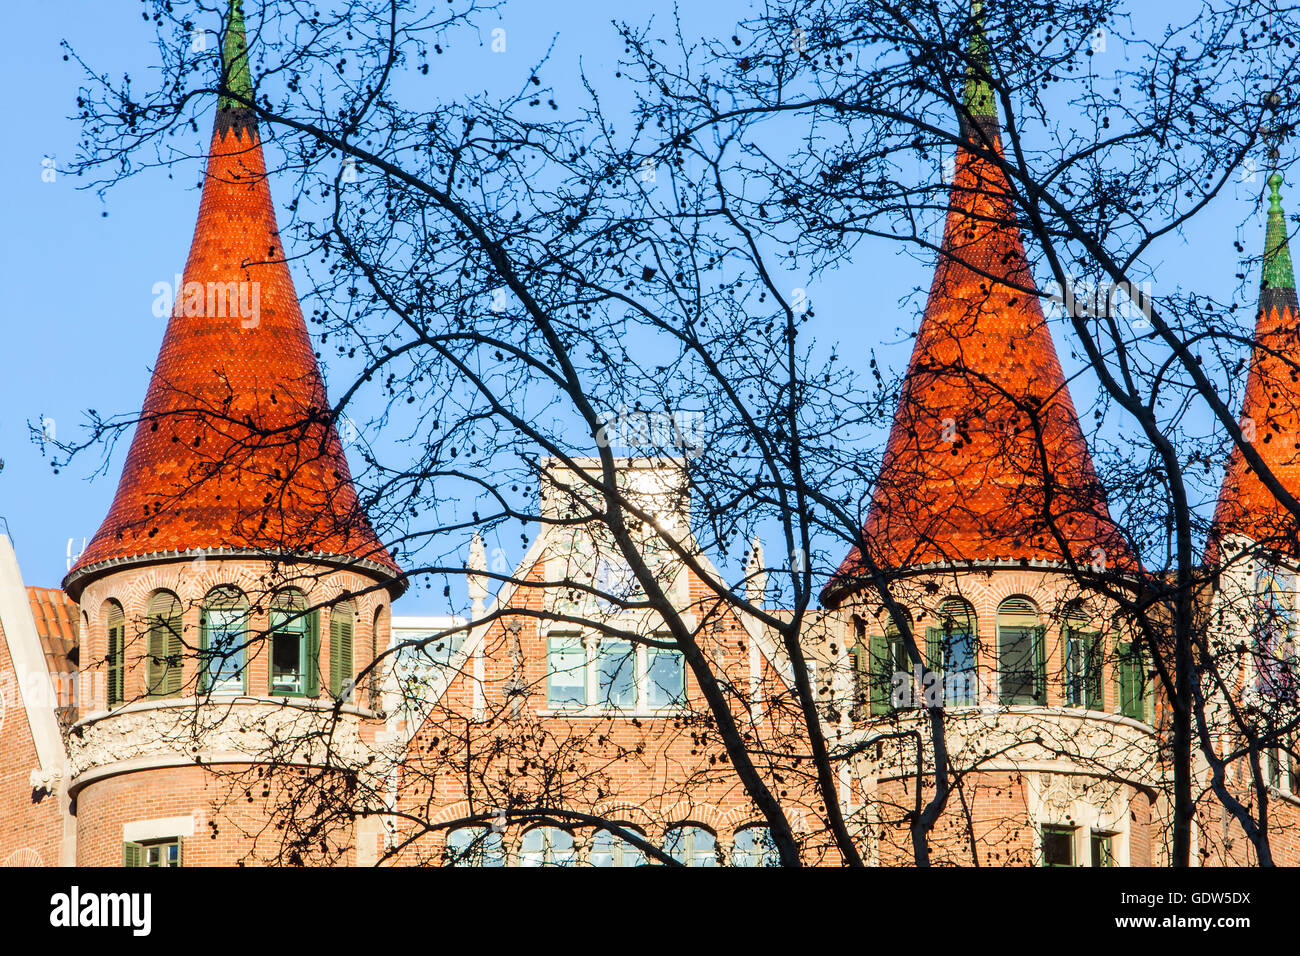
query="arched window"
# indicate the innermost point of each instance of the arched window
(610, 850)
(950, 649)
(342, 667)
(115, 651)
(691, 845)
(753, 846)
(475, 846)
(166, 648)
(1081, 649)
(295, 646)
(546, 846)
(1021, 655)
(223, 637)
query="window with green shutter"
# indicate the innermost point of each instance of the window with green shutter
(223, 636)
(1082, 680)
(342, 665)
(1022, 667)
(1130, 682)
(950, 653)
(882, 675)
(165, 646)
(1058, 845)
(116, 657)
(295, 646)
(161, 853)
(1103, 853)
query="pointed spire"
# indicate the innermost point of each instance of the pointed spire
(1270, 414)
(476, 584)
(986, 462)
(977, 96)
(236, 447)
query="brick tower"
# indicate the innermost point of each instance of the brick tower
(236, 586)
(986, 496)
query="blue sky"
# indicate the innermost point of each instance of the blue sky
(79, 327)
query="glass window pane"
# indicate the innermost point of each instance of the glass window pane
(691, 846)
(754, 847)
(666, 678)
(225, 649)
(1018, 664)
(286, 652)
(1058, 846)
(616, 670)
(566, 684)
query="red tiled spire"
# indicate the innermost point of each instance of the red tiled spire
(235, 448)
(1270, 415)
(986, 460)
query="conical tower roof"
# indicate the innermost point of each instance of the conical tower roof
(235, 450)
(1270, 416)
(986, 461)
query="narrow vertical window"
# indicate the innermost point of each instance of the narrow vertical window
(1082, 656)
(223, 634)
(294, 647)
(1021, 663)
(950, 648)
(566, 672)
(616, 674)
(665, 676)
(1103, 853)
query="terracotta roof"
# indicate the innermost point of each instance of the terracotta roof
(986, 461)
(57, 619)
(235, 447)
(1270, 415)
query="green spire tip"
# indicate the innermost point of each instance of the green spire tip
(1277, 254)
(234, 58)
(977, 96)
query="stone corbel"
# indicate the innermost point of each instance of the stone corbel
(45, 781)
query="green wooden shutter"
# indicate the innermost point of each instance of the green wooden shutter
(132, 854)
(1092, 648)
(205, 653)
(881, 677)
(157, 650)
(1040, 664)
(1128, 682)
(180, 849)
(116, 665)
(934, 641)
(341, 666)
(311, 651)
(175, 649)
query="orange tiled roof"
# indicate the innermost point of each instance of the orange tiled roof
(235, 448)
(57, 624)
(1271, 410)
(986, 461)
